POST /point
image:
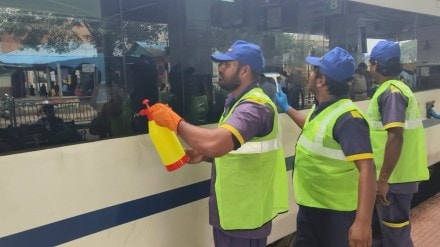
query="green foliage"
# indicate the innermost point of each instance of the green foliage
(30, 30)
(299, 46)
(224, 38)
(409, 51)
(59, 34)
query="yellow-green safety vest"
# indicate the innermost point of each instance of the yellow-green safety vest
(251, 182)
(412, 164)
(322, 176)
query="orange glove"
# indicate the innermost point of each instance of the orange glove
(164, 116)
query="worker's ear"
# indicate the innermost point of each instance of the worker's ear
(320, 80)
(245, 69)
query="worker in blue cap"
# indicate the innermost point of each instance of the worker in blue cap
(248, 187)
(333, 177)
(398, 142)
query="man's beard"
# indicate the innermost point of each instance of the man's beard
(232, 83)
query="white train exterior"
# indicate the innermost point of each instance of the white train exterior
(117, 193)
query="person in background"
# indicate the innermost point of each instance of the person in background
(298, 84)
(269, 87)
(56, 90)
(51, 122)
(65, 88)
(31, 90)
(43, 90)
(144, 79)
(180, 78)
(398, 141)
(334, 177)
(408, 76)
(358, 86)
(430, 112)
(18, 83)
(284, 82)
(248, 188)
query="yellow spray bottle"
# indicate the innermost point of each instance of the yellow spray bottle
(165, 141)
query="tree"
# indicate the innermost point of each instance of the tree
(274, 44)
(40, 31)
(61, 34)
(409, 51)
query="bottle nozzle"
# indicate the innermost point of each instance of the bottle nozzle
(145, 111)
(145, 102)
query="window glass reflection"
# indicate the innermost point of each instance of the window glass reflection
(95, 66)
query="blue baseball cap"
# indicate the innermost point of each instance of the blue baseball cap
(337, 64)
(385, 50)
(244, 52)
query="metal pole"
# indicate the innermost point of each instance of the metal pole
(124, 46)
(60, 82)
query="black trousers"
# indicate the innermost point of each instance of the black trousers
(322, 227)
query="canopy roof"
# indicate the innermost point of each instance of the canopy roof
(28, 57)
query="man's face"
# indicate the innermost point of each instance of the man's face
(372, 69)
(314, 75)
(362, 69)
(229, 73)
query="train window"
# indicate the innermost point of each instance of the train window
(95, 63)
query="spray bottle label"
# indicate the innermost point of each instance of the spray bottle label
(168, 146)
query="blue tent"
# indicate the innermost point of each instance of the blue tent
(85, 53)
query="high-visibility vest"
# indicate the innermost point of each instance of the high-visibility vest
(322, 176)
(412, 165)
(251, 182)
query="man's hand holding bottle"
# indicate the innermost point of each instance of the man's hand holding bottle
(164, 116)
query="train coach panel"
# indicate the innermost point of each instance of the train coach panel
(117, 193)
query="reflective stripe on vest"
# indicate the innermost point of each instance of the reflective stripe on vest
(316, 146)
(409, 124)
(258, 147)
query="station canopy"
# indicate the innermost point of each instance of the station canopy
(28, 57)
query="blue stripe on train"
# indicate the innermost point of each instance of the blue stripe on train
(82, 225)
